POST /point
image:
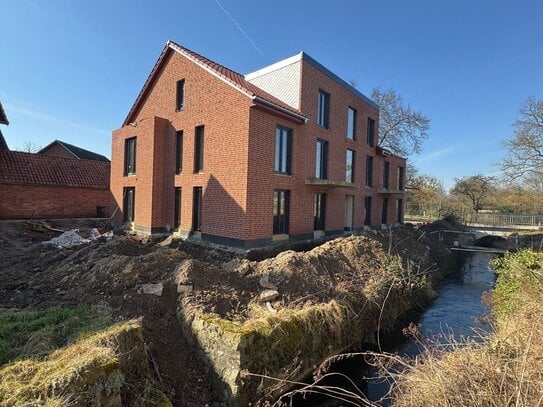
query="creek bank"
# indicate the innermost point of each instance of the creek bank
(331, 298)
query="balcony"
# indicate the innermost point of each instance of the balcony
(329, 183)
(391, 191)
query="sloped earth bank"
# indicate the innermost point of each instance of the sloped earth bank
(222, 323)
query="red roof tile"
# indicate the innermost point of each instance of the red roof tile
(235, 79)
(26, 168)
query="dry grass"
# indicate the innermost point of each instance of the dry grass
(506, 370)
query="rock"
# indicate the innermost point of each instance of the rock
(183, 288)
(268, 295)
(265, 282)
(153, 289)
(270, 308)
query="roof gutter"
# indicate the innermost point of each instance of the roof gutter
(262, 101)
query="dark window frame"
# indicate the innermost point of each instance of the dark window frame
(367, 210)
(177, 208)
(353, 135)
(369, 171)
(384, 212)
(399, 210)
(129, 204)
(199, 140)
(371, 132)
(319, 211)
(130, 149)
(401, 177)
(321, 166)
(281, 211)
(180, 95)
(197, 203)
(386, 175)
(179, 152)
(353, 165)
(323, 109)
(283, 150)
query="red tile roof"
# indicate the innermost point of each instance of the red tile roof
(233, 78)
(27, 168)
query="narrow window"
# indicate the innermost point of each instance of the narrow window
(321, 167)
(371, 132)
(323, 109)
(180, 95)
(369, 171)
(349, 166)
(179, 152)
(351, 123)
(400, 178)
(399, 210)
(384, 213)
(130, 156)
(129, 200)
(281, 203)
(199, 149)
(367, 210)
(386, 170)
(319, 211)
(177, 209)
(283, 150)
(197, 209)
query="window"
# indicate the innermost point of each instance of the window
(400, 179)
(177, 209)
(180, 95)
(129, 200)
(384, 213)
(321, 167)
(367, 210)
(369, 171)
(349, 166)
(386, 170)
(179, 152)
(199, 149)
(399, 210)
(283, 150)
(281, 203)
(323, 109)
(371, 132)
(197, 209)
(320, 211)
(130, 156)
(351, 123)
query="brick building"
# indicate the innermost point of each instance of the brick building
(289, 151)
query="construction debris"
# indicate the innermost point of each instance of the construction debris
(67, 239)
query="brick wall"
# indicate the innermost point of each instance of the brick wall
(25, 201)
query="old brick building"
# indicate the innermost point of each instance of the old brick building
(289, 151)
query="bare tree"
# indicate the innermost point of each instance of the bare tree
(525, 149)
(29, 147)
(401, 130)
(475, 190)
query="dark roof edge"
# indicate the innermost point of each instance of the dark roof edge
(3, 115)
(51, 144)
(306, 57)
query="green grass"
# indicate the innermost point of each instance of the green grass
(30, 333)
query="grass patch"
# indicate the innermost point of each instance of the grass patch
(29, 333)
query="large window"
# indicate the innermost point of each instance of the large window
(369, 171)
(386, 173)
(321, 167)
(351, 123)
(384, 212)
(180, 95)
(399, 210)
(199, 149)
(129, 201)
(349, 166)
(197, 209)
(371, 132)
(323, 111)
(177, 208)
(283, 150)
(130, 156)
(281, 203)
(400, 178)
(179, 152)
(367, 210)
(319, 211)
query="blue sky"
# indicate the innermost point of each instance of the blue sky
(70, 70)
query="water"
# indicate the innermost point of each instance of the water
(458, 312)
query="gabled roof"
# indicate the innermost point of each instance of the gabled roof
(27, 168)
(77, 152)
(3, 144)
(232, 78)
(3, 116)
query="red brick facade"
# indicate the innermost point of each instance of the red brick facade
(238, 178)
